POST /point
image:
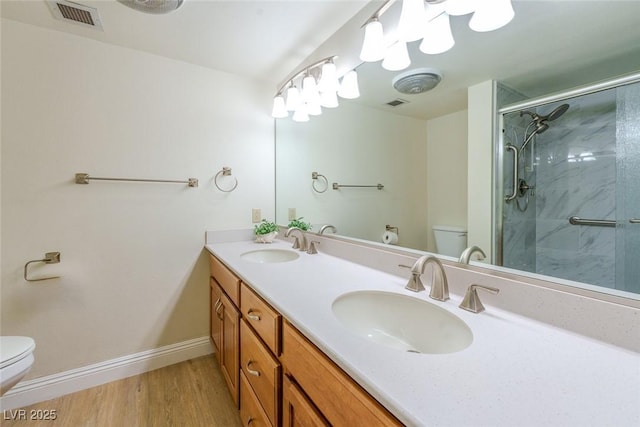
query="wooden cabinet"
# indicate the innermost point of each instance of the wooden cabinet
(229, 354)
(251, 412)
(297, 409)
(275, 375)
(260, 343)
(261, 317)
(340, 399)
(225, 324)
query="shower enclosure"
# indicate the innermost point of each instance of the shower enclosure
(568, 185)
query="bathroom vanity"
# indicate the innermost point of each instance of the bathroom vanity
(289, 360)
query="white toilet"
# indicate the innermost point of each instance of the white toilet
(450, 240)
(16, 358)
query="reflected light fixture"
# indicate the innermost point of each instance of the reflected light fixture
(437, 35)
(373, 47)
(431, 23)
(412, 16)
(349, 87)
(320, 88)
(491, 15)
(397, 57)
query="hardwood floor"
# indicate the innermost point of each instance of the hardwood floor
(189, 394)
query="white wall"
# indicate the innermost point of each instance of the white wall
(356, 145)
(480, 155)
(133, 273)
(446, 172)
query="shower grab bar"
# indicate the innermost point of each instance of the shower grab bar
(634, 220)
(337, 186)
(515, 172)
(83, 178)
(574, 220)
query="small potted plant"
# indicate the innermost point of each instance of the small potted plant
(298, 222)
(265, 231)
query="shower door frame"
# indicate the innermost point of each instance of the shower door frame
(498, 152)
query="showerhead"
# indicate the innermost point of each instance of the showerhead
(541, 127)
(557, 112)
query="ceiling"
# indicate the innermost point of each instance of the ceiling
(263, 40)
(550, 44)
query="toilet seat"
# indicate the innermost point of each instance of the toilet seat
(14, 348)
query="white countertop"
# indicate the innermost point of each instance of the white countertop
(517, 372)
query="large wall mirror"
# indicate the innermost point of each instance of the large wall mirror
(418, 150)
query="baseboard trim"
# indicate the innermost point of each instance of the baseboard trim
(49, 387)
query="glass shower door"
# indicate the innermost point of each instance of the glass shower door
(628, 188)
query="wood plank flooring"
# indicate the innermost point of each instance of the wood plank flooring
(187, 394)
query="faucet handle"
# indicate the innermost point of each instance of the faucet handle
(471, 302)
(312, 247)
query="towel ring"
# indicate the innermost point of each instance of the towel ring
(226, 171)
(49, 258)
(315, 176)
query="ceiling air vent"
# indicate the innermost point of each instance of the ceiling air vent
(397, 102)
(75, 13)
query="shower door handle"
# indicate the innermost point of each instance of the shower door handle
(515, 173)
(634, 220)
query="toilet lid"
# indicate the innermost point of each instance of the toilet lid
(13, 349)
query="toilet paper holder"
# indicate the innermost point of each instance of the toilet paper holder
(49, 258)
(392, 228)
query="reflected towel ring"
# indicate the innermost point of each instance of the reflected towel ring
(226, 171)
(315, 176)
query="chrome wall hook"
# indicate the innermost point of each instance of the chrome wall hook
(49, 258)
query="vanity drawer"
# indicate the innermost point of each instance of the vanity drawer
(340, 399)
(261, 370)
(262, 318)
(251, 413)
(226, 279)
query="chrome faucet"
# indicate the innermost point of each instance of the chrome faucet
(298, 243)
(326, 227)
(439, 286)
(471, 302)
(466, 254)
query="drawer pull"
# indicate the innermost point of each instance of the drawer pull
(219, 306)
(252, 316)
(249, 421)
(252, 371)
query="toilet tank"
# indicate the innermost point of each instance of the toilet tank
(450, 240)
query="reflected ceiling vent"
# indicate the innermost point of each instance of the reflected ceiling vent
(397, 102)
(75, 13)
(417, 81)
(153, 6)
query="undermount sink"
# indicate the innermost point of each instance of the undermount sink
(270, 255)
(402, 322)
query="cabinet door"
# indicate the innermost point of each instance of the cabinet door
(229, 345)
(298, 410)
(215, 326)
(341, 400)
(251, 413)
(261, 370)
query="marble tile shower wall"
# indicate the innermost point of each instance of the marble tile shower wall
(576, 175)
(518, 228)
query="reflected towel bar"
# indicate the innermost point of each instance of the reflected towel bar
(574, 220)
(337, 186)
(84, 178)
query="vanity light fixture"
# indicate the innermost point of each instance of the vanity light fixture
(320, 88)
(431, 23)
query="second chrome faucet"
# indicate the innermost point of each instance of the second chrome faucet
(439, 286)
